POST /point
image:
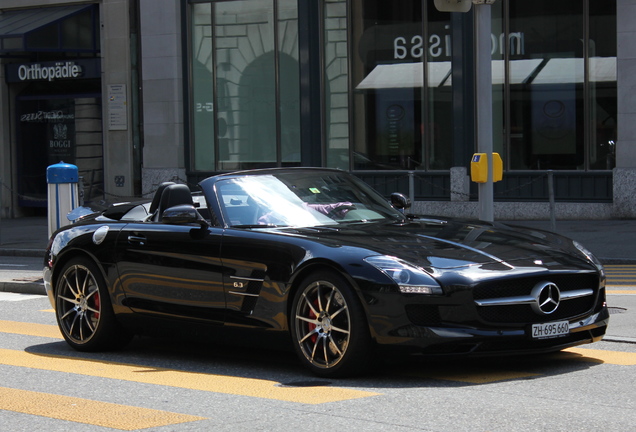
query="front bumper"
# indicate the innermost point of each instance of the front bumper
(456, 340)
(48, 284)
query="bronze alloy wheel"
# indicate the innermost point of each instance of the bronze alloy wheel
(83, 309)
(329, 328)
(78, 304)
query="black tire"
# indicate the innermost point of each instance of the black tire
(329, 328)
(83, 309)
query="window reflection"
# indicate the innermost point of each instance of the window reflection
(554, 94)
(402, 113)
(245, 111)
(558, 120)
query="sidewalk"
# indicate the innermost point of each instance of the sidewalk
(26, 236)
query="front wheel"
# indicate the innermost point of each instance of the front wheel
(329, 328)
(83, 309)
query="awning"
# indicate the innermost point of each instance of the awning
(405, 75)
(570, 70)
(50, 29)
(524, 71)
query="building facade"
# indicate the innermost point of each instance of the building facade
(151, 90)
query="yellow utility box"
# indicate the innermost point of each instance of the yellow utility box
(479, 168)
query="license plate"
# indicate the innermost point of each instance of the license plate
(550, 330)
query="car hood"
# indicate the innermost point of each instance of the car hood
(454, 243)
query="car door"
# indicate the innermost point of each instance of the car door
(258, 267)
(172, 270)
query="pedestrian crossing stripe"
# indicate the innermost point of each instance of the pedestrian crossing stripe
(148, 374)
(30, 329)
(621, 279)
(601, 356)
(78, 410)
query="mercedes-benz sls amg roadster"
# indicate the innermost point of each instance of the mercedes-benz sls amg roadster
(320, 260)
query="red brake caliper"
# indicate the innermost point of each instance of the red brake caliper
(312, 327)
(96, 305)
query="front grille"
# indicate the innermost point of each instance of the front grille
(523, 286)
(424, 315)
(508, 314)
(524, 313)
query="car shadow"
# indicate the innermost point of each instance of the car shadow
(283, 367)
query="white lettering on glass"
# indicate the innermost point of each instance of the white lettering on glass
(439, 46)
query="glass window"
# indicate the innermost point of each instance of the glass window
(289, 106)
(54, 129)
(402, 101)
(78, 31)
(562, 81)
(436, 124)
(245, 85)
(498, 48)
(202, 88)
(547, 106)
(602, 77)
(336, 83)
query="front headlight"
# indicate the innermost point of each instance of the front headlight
(409, 278)
(589, 255)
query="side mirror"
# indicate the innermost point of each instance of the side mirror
(400, 201)
(182, 215)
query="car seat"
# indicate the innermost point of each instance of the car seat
(173, 195)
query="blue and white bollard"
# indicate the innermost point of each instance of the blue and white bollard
(62, 179)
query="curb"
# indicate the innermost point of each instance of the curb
(23, 287)
(619, 339)
(37, 253)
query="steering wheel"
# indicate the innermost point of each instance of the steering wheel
(333, 213)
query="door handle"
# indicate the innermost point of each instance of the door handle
(134, 239)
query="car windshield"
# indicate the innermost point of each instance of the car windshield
(300, 199)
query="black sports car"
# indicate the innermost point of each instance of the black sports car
(318, 257)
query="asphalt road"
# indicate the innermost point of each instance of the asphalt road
(169, 385)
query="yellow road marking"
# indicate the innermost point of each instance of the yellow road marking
(86, 411)
(602, 356)
(621, 291)
(30, 329)
(182, 379)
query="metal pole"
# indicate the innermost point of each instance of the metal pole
(551, 199)
(412, 187)
(1, 186)
(484, 104)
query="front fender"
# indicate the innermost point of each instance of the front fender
(79, 240)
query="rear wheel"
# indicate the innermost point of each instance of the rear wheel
(329, 328)
(84, 311)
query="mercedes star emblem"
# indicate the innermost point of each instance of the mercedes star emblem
(547, 297)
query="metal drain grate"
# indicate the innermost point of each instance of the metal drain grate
(616, 310)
